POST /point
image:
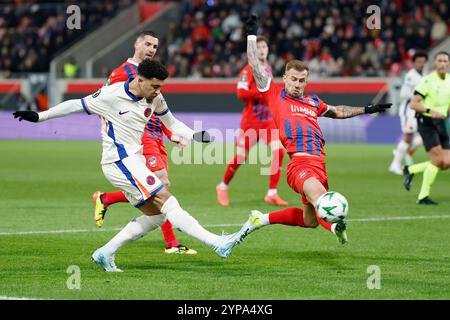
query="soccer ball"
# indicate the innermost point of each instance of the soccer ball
(332, 207)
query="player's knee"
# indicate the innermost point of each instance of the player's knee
(438, 162)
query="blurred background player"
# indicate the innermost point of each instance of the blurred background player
(411, 140)
(296, 114)
(256, 124)
(154, 150)
(431, 101)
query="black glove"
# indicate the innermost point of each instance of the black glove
(251, 25)
(26, 115)
(373, 108)
(202, 136)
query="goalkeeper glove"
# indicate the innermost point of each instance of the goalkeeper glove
(26, 115)
(373, 108)
(251, 25)
(202, 136)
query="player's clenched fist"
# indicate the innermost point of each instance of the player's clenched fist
(251, 25)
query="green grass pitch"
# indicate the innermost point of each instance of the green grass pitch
(47, 186)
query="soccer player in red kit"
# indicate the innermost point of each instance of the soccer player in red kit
(154, 149)
(256, 124)
(295, 114)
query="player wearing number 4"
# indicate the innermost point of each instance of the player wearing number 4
(295, 114)
(125, 108)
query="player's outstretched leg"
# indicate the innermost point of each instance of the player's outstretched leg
(222, 245)
(134, 230)
(288, 217)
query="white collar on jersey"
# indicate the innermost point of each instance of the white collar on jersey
(130, 60)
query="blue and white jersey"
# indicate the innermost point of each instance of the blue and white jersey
(124, 117)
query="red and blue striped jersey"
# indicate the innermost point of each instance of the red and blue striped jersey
(256, 111)
(127, 71)
(296, 119)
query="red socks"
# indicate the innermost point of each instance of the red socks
(294, 217)
(168, 234)
(109, 198)
(323, 223)
(275, 168)
(289, 217)
(232, 167)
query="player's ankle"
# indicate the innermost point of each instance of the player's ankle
(223, 186)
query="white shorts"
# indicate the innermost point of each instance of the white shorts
(132, 176)
(408, 121)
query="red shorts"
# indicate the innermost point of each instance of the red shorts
(301, 168)
(155, 154)
(252, 132)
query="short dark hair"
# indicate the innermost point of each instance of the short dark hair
(152, 69)
(420, 54)
(144, 33)
(441, 52)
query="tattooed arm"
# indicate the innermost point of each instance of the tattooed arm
(261, 78)
(343, 112)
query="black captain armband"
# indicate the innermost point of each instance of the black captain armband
(418, 93)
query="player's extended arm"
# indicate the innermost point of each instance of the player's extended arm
(58, 111)
(179, 128)
(261, 78)
(344, 112)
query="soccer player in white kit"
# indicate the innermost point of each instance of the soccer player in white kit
(125, 108)
(411, 139)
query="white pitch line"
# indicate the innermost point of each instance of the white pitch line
(17, 298)
(375, 219)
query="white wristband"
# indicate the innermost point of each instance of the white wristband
(251, 37)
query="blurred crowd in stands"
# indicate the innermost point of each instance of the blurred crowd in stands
(330, 35)
(209, 39)
(32, 32)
